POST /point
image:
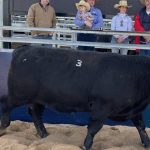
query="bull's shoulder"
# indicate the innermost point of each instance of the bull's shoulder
(19, 50)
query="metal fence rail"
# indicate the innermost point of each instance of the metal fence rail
(71, 43)
(99, 32)
(74, 42)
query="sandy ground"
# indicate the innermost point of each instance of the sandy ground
(22, 136)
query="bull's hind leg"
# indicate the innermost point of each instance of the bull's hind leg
(5, 121)
(5, 112)
(36, 110)
(139, 124)
(93, 128)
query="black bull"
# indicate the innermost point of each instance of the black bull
(106, 85)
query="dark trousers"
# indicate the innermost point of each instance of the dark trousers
(145, 52)
(86, 38)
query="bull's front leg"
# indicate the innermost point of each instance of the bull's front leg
(5, 120)
(36, 110)
(93, 128)
(139, 124)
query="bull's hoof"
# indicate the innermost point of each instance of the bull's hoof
(43, 135)
(146, 145)
(83, 148)
(2, 132)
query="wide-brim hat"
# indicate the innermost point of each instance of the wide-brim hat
(122, 3)
(83, 3)
(143, 2)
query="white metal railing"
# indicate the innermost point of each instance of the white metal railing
(74, 43)
(98, 32)
(62, 22)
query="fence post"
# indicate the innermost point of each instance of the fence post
(1, 21)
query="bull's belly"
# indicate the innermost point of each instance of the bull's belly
(69, 108)
(128, 113)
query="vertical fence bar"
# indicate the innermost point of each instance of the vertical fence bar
(1, 21)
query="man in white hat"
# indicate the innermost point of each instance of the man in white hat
(142, 23)
(121, 22)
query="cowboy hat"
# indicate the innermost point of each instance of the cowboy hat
(83, 3)
(122, 3)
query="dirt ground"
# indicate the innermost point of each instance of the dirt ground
(22, 136)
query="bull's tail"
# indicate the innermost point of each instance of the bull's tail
(3, 98)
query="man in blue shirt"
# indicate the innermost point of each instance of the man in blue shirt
(96, 24)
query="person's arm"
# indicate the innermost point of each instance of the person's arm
(137, 24)
(129, 27)
(78, 20)
(98, 20)
(54, 19)
(138, 27)
(113, 26)
(30, 18)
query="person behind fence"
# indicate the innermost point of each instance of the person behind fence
(93, 22)
(121, 22)
(41, 15)
(84, 14)
(142, 23)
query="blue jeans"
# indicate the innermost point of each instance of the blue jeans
(123, 51)
(43, 37)
(86, 38)
(144, 52)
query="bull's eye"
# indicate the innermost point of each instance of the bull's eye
(79, 63)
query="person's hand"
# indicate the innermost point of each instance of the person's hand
(51, 33)
(89, 18)
(88, 23)
(120, 39)
(147, 38)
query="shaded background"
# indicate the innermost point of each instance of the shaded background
(68, 6)
(64, 7)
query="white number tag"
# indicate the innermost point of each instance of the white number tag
(79, 63)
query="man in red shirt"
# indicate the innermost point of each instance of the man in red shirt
(142, 23)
